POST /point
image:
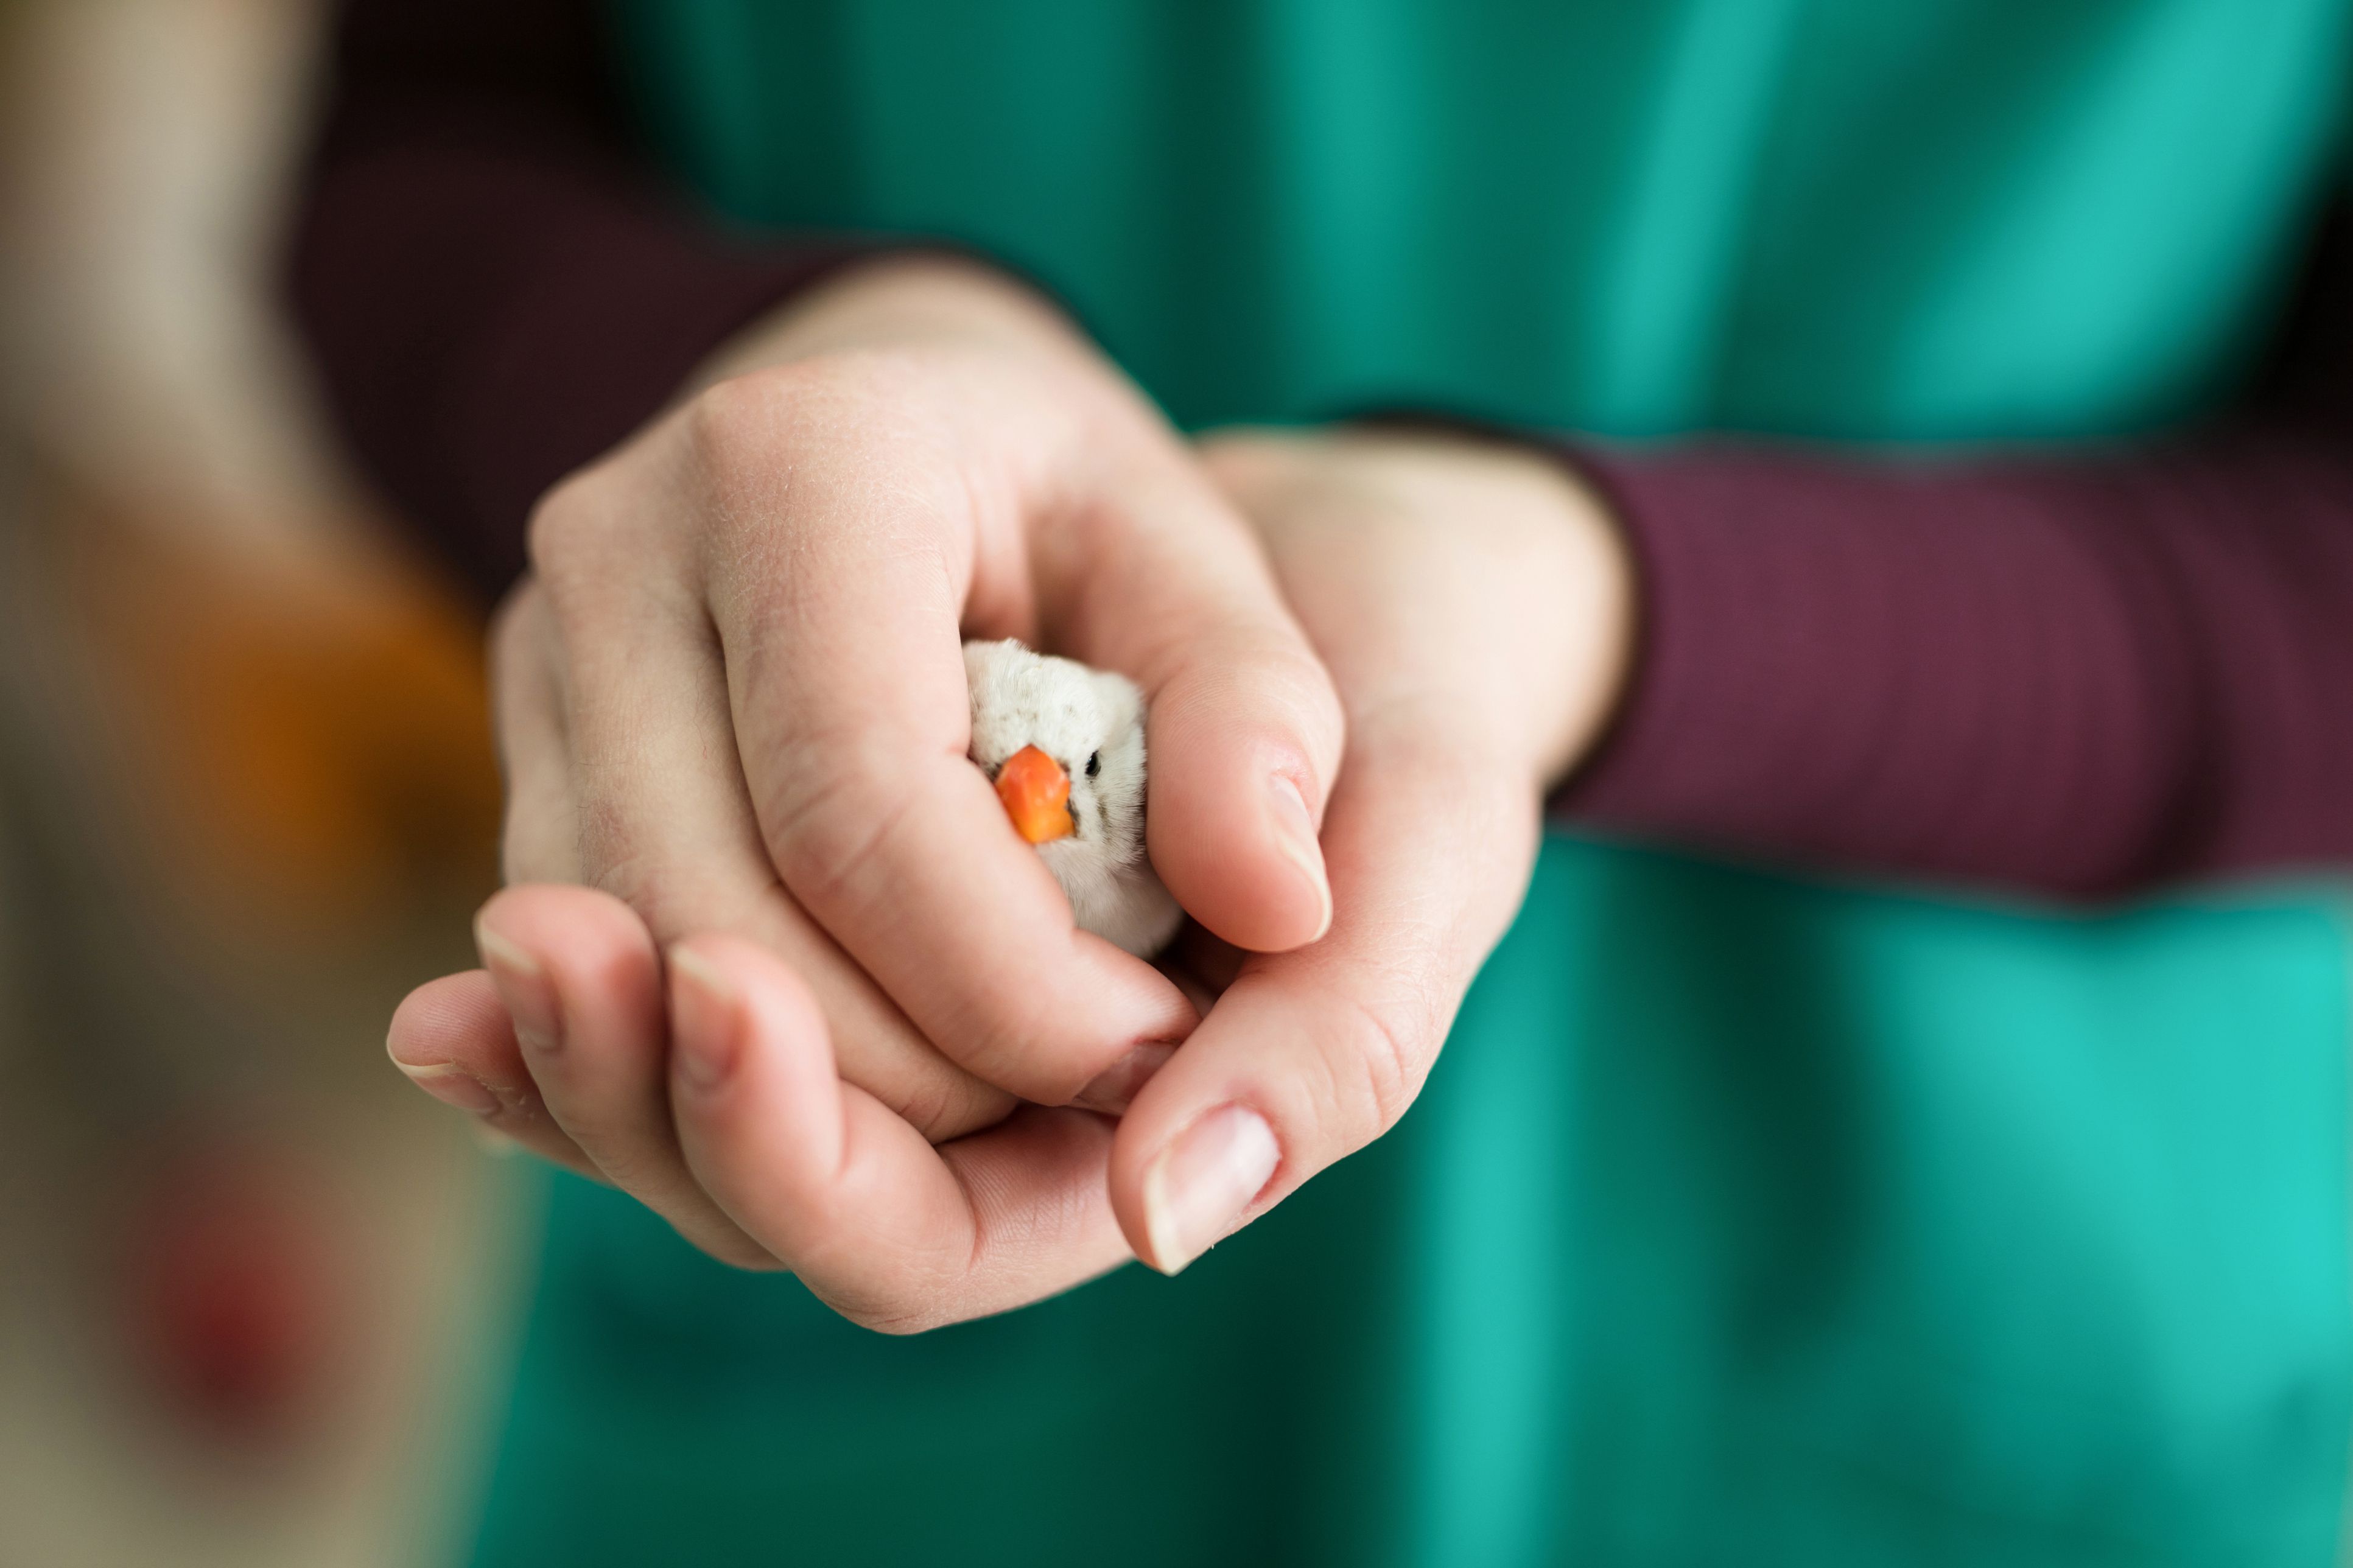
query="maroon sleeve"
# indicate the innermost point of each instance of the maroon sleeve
(492, 286)
(2077, 674)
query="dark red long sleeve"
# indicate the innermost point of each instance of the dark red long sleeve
(2074, 674)
(2077, 674)
(495, 288)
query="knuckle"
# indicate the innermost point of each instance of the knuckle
(532, 848)
(1386, 1048)
(672, 888)
(735, 1250)
(746, 417)
(947, 1104)
(1299, 694)
(1003, 1038)
(824, 404)
(926, 1106)
(567, 526)
(828, 829)
(672, 900)
(896, 1293)
(732, 418)
(1267, 673)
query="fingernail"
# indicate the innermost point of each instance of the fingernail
(703, 1015)
(1294, 834)
(452, 1085)
(530, 999)
(1198, 1190)
(1115, 1087)
(493, 1141)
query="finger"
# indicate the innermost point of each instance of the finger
(581, 978)
(541, 840)
(1244, 731)
(666, 825)
(452, 1039)
(838, 599)
(890, 1232)
(1311, 1055)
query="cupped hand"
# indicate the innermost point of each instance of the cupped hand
(731, 700)
(1473, 603)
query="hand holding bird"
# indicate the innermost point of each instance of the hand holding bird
(731, 700)
(729, 693)
(1474, 604)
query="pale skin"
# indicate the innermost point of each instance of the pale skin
(771, 960)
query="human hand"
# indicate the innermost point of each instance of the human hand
(1474, 604)
(732, 696)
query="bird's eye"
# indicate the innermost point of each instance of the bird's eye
(1094, 765)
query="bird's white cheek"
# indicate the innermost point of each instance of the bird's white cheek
(1078, 864)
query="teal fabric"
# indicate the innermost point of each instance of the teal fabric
(1746, 1219)
(1745, 1222)
(1932, 220)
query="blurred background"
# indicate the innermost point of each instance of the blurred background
(249, 1282)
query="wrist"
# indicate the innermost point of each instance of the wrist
(899, 299)
(1597, 616)
(1559, 598)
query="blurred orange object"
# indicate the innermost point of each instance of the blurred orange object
(305, 734)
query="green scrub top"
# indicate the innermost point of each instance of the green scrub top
(1746, 1219)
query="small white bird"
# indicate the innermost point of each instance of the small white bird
(1064, 745)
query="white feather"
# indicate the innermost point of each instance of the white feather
(1075, 714)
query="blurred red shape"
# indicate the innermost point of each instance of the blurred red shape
(233, 1290)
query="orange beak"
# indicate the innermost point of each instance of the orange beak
(1037, 796)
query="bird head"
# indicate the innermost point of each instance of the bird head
(1064, 746)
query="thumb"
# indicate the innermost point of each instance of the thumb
(1244, 732)
(1310, 1056)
